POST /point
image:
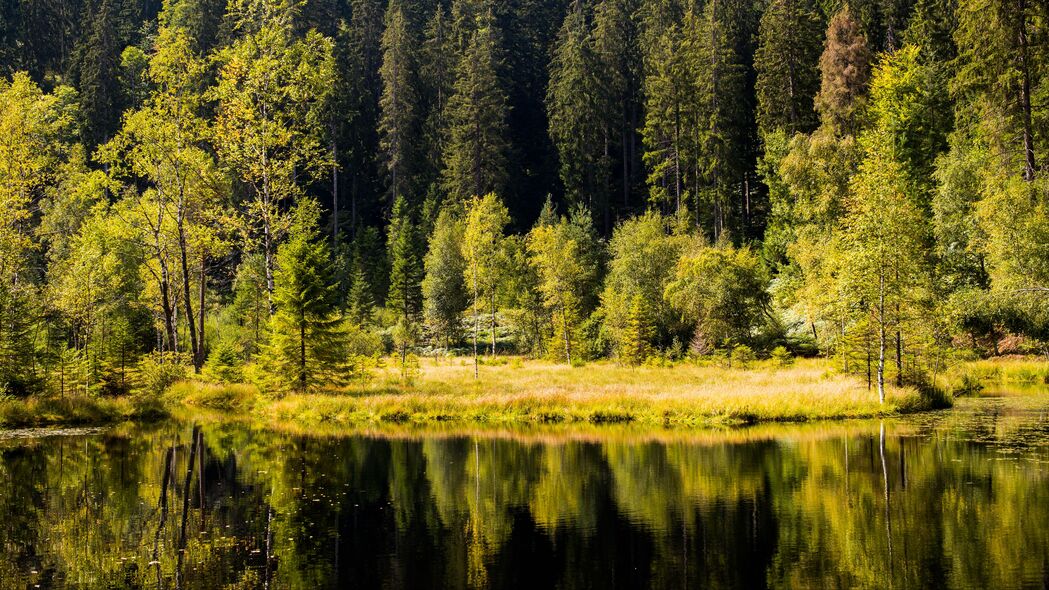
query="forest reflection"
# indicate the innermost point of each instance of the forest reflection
(957, 500)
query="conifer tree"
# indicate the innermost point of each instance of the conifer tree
(475, 155)
(307, 346)
(398, 123)
(787, 66)
(405, 295)
(845, 69)
(636, 345)
(619, 73)
(575, 114)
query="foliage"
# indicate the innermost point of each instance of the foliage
(722, 292)
(307, 346)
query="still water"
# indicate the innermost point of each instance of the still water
(955, 499)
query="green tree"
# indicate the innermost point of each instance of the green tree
(405, 294)
(723, 293)
(883, 246)
(398, 122)
(444, 292)
(268, 128)
(558, 254)
(475, 156)
(307, 346)
(35, 133)
(162, 145)
(574, 110)
(636, 344)
(789, 48)
(486, 218)
(644, 255)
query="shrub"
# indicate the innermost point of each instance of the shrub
(742, 356)
(159, 371)
(781, 357)
(224, 363)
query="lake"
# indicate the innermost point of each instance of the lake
(956, 499)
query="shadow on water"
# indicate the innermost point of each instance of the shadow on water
(956, 499)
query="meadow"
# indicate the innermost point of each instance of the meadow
(511, 391)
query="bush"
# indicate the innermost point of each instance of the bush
(159, 371)
(742, 356)
(781, 357)
(224, 363)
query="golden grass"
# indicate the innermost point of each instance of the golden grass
(77, 410)
(534, 392)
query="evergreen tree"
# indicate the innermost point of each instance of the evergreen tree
(619, 73)
(475, 156)
(998, 72)
(786, 62)
(444, 291)
(637, 335)
(575, 114)
(307, 346)
(405, 295)
(398, 123)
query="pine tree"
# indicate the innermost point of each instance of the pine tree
(475, 156)
(444, 292)
(845, 69)
(405, 295)
(398, 122)
(636, 345)
(619, 74)
(786, 62)
(307, 345)
(575, 113)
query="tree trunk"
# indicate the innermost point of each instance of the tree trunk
(493, 322)
(1025, 94)
(881, 339)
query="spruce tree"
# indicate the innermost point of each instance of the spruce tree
(787, 66)
(475, 155)
(307, 346)
(405, 295)
(398, 122)
(635, 347)
(619, 74)
(576, 125)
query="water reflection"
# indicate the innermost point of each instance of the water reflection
(956, 500)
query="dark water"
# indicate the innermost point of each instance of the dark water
(948, 500)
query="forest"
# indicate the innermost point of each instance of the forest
(291, 192)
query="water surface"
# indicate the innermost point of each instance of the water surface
(956, 499)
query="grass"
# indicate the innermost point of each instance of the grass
(77, 411)
(532, 392)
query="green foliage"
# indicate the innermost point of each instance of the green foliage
(475, 153)
(722, 292)
(157, 372)
(444, 290)
(307, 346)
(791, 32)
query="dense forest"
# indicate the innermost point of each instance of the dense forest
(283, 191)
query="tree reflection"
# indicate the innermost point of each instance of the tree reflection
(232, 505)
